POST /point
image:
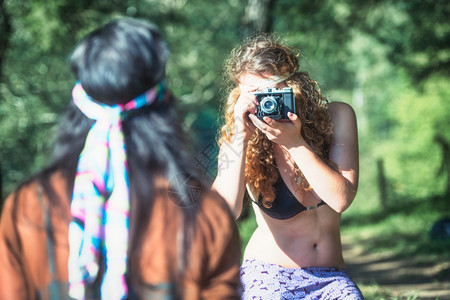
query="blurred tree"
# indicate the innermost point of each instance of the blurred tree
(320, 30)
(5, 32)
(257, 17)
(410, 151)
(36, 82)
(416, 31)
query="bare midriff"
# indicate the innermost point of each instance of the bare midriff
(309, 239)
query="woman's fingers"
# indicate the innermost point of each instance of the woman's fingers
(264, 127)
(246, 103)
(279, 131)
(294, 119)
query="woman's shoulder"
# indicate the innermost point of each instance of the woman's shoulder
(29, 200)
(342, 116)
(340, 109)
(23, 202)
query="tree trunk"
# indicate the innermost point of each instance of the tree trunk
(5, 32)
(445, 165)
(258, 17)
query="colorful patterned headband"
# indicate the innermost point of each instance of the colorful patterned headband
(100, 202)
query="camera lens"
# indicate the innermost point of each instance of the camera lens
(268, 105)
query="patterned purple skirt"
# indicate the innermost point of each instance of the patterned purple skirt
(261, 280)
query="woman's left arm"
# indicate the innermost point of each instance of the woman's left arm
(336, 188)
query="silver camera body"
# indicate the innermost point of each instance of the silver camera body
(275, 103)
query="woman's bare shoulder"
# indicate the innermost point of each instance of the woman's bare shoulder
(343, 117)
(339, 109)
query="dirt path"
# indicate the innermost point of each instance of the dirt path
(397, 278)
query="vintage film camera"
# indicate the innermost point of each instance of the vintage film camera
(275, 103)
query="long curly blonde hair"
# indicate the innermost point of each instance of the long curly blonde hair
(262, 55)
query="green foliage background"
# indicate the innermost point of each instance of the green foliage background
(388, 59)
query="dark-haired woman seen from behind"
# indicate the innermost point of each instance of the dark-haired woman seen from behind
(119, 212)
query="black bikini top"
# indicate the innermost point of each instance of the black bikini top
(285, 205)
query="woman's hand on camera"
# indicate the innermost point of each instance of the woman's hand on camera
(283, 132)
(245, 105)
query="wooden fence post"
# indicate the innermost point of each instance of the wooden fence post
(445, 164)
(382, 184)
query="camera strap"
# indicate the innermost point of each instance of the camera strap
(272, 81)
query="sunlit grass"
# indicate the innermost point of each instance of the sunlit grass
(403, 229)
(375, 292)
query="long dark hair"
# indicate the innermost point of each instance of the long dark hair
(115, 64)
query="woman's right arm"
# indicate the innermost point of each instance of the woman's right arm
(230, 182)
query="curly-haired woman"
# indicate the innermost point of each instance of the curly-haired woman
(301, 173)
